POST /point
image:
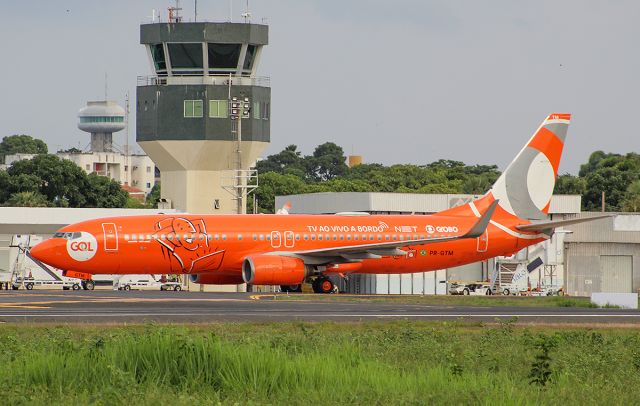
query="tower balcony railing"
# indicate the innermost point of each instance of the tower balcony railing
(154, 80)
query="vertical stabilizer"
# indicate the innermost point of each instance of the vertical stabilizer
(526, 186)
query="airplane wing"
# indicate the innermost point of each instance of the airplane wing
(549, 225)
(378, 250)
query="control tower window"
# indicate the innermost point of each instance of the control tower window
(193, 108)
(159, 61)
(223, 58)
(185, 56)
(218, 108)
(250, 57)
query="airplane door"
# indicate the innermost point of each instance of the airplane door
(275, 239)
(289, 240)
(110, 237)
(483, 241)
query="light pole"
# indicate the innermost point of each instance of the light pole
(240, 109)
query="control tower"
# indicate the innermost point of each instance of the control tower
(185, 119)
(101, 119)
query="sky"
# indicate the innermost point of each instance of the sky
(403, 81)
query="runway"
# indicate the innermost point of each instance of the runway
(195, 307)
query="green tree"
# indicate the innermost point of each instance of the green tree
(27, 199)
(273, 184)
(63, 182)
(611, 174)
(153, 196)
(570, 185)
(289, 159)
(22, 144)
(104, 192)
(327, 162)
(631, 201)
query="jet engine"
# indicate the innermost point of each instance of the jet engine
(215, 278)
(273, 270)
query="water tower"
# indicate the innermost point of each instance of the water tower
(101, 119)
(184, 117)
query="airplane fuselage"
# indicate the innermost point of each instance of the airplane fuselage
(191, 244)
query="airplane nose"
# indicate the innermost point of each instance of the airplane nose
(42, 251)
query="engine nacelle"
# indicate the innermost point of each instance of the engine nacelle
(215, 278)
(273, 270)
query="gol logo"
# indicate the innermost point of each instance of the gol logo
(82, 248)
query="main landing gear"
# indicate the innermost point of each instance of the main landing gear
(323, 284)
(290, 288)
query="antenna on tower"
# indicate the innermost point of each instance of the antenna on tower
(195, 10)
(106, 81)
(247, 14)
(174, 13)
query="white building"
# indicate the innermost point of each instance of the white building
(102, 119)
(137, 171)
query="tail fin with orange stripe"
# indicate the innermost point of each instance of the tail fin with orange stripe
(525, 188)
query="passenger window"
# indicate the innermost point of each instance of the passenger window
(335, 237)
(239, 237)
(297, 237)
(255, 237)
(355, 237)
(306, 237)
(224, 237)
(126, 237)
(348, 237)
(313, 237)
(261, 237)
(319, 237)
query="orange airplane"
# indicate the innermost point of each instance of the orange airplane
(288, 250)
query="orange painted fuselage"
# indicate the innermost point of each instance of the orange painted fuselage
(218, 244)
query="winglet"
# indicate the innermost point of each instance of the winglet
(483, 222)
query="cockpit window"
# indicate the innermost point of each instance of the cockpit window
(67, 236)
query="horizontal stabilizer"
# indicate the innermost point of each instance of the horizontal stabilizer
(549, 225)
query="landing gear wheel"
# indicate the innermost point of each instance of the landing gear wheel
(89, 285)
(75, 286)
(323, 285)
(177, 288)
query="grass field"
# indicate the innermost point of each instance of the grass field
(443, 300)
(324, 363)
